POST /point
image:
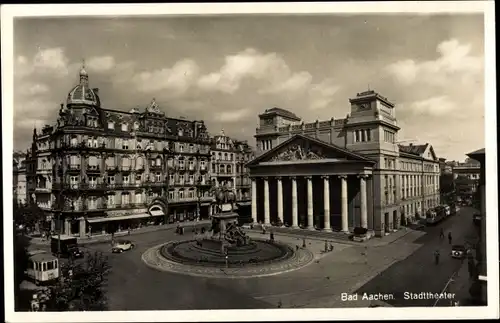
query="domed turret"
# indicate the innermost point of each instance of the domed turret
(82, 93)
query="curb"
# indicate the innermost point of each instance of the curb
(153, 259)
(294, 235)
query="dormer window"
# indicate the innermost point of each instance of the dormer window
(111, 125)
(124, 127)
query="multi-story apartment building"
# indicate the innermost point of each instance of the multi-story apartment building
(100, 168)
(229, 157)
(466, 179)
(479, 285)
(419, 179)
(352, 169)
(19, 188)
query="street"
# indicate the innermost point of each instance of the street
(134, 286)
(418, 273)
(406, 265)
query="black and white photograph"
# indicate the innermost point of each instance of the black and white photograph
(272, 161)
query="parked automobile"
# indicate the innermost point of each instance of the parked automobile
(459, 251)
(476, 218)
(121, 246)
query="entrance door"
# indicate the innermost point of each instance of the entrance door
(386, 222)
(395, 220)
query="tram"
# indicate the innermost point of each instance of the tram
(43, 267)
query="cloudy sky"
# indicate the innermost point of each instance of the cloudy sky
(227, 70)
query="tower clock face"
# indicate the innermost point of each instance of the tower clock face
(364, 106)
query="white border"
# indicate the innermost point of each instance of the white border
(11, 11)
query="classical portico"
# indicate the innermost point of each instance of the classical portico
(308, 183)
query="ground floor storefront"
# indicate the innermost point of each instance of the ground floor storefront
(110, 222)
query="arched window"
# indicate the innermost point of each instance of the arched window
(126, 163)
(229, 169)
(139, 163)
(110, 162)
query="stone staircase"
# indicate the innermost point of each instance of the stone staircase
(311, 234)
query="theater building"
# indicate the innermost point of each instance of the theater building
(100, 168)
(340, 174)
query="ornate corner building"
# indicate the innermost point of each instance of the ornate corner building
(340, 174)
(229, 159)
(99, 166)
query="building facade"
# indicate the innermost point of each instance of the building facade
(466, 179)
(229, 157)
(19, 187)
(482, 278)
(352, 170)
(101, 170)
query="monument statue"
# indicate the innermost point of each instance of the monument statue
(225, 219)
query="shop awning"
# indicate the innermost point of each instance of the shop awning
(157, 213)
(116, 218)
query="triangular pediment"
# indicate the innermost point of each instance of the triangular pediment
(301, 148)
(429, 153)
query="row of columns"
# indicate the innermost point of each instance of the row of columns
(310, 213)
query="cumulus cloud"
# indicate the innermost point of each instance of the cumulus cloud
(177, 79)
(100, 63)
(435, 106)
(233, 115)
(455, 60)
(50, 62)
(34, 89)
(270, 69)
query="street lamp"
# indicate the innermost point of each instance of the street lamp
(199, 193)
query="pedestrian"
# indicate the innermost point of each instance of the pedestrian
(441, 234)
(326, 246)
(303, 243)
(436, 257)
(449, 237)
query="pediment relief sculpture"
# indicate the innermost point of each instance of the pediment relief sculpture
(296, 152)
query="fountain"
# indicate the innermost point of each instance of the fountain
(225, 244)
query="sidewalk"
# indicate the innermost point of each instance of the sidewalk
(107, 237)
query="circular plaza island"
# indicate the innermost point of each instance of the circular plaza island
(226, 251)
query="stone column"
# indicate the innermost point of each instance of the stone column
(295, 213)
(82, 227)
(267, 215)
(326, 202)
(254, 200)
(280, 198)
(310, 209)
(210, 210)
(364, 213)
(343, 201)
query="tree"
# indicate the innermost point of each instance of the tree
(21, 243)
(81, 287)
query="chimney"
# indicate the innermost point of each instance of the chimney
(411, 144)
(96, 90)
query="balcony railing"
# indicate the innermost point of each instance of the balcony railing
(74, 167)
(42, 189)
(125, 168)
(112, 168)
(155, 167)
(93, 169)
